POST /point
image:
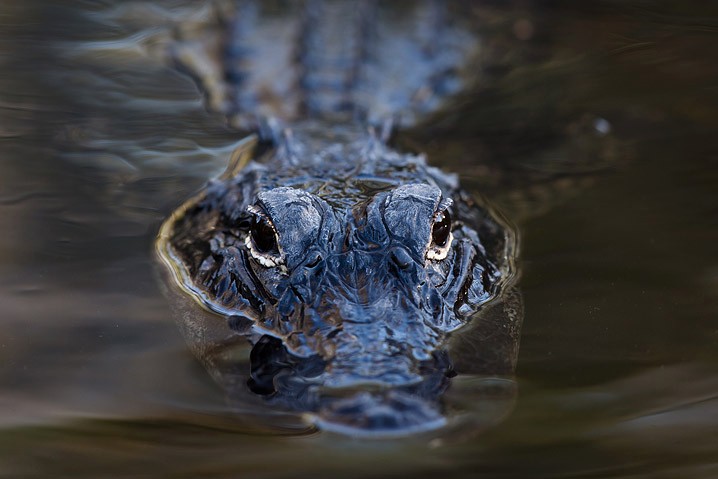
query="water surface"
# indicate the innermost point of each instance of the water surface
(618, 370)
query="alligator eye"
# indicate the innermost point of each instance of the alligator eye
(264, 239)
(441, 229)
(440, 236)
(262, 242)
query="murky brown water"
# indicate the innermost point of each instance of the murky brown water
(618, 371)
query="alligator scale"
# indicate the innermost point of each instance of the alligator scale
(346, 264)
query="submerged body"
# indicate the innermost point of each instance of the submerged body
(345, 262)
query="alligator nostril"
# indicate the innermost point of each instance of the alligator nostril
(315, 261)
(401, 258)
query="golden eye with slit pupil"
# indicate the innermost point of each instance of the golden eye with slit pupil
(263, 236)
(441, 229)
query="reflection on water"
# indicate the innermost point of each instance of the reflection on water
(617, 366)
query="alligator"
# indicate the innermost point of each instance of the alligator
(350, 265)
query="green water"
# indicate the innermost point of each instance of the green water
(618, 370)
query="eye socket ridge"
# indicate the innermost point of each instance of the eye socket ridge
(262, 239)
(441, 236)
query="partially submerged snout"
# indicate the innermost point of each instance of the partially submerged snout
(360, 397)
(375, 386)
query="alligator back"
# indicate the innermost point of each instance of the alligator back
(361, 60)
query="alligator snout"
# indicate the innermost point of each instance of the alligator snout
(360, 398)
(384, 329)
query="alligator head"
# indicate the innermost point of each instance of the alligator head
(346, 284)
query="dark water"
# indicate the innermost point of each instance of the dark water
(618, 371)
